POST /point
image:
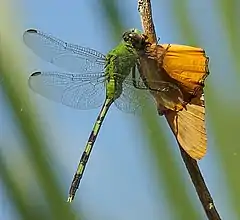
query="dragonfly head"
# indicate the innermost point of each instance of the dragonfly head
(135, 38)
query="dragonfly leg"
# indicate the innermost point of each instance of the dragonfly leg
(183, 103)
(162, 55)
(162, 110)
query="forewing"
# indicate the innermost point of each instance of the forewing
(77, 91)
(70, 57)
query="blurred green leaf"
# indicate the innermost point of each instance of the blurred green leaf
(177, 195)
(16, 90)
(114, 16)
(224, 119)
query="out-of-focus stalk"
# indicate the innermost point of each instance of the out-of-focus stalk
(12, 68)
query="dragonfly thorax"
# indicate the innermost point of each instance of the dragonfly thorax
(119, 63)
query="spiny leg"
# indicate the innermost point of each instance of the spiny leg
(135, 80)
(162, 110)
(87, 151)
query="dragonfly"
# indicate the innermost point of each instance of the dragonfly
(187, 68)
(90, 79)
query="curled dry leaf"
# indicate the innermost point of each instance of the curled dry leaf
(187, 68)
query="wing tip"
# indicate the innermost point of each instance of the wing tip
(32, 31)
(37, 73)
(27, 33)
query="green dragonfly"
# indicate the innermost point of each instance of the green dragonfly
(93, 80)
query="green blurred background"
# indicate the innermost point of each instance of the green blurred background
(136, 171)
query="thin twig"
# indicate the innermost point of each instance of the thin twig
(144, 8)
(200, 186)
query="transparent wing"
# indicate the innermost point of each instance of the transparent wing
(132, 100)
(134, 94)
(74, 90)
(133, 79)
(167, 93)
(70, 57)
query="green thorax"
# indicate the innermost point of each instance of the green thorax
(119, 63)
